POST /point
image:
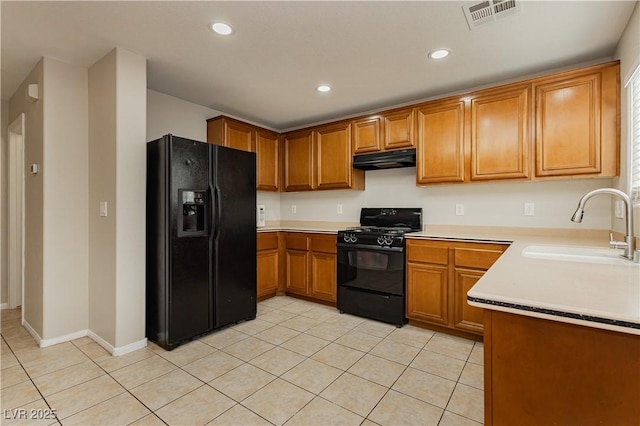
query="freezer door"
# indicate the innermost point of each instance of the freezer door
(234, 235)
(189, 287)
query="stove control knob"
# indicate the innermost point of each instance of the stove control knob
(350, 238)
(388, 240)
(380, 240)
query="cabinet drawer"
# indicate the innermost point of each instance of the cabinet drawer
(476, 258)
(325, 244)
(267, 241)
(297, 242)
(417, 252)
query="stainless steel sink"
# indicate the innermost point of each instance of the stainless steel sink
(577, 254)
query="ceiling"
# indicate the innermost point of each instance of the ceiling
(373, 54)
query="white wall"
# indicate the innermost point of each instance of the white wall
(485, 204)
(166, 114)
(131, 114)
(102, 187)
(33, 202)
(628, 52)
(56, 224)
(117, 157)
(66, 192)
(4, 278)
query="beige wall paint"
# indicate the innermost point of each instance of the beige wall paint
(4, 278)
(65, 239)
(166, 114)
(34, 197)
(485, 204)
(102, 187)
(117, 157)
(628, 52)
(131, 113)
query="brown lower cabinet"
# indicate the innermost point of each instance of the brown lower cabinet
(269, 268)
(311, 263)
(542, 372)
(439, 275)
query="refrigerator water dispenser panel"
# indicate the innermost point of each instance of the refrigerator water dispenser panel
(193, 220)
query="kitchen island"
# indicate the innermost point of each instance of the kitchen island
(561, 338)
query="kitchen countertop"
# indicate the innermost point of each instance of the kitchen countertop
(594, 295)
(305, 226)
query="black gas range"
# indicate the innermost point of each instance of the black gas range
(371, 263)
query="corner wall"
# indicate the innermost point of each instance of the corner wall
(65, 192)
(117, 158)
(4, 274)
(34, 197)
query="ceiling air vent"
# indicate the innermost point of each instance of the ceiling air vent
(483, 12)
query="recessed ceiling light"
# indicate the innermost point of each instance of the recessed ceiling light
(323, 88)
(439, 53)
(221, 28)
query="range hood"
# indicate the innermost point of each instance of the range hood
(385, 160)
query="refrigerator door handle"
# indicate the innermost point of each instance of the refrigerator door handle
(218, 212)
(211, 215)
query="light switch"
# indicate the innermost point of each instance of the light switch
(459, 209)
(339, 209)
(103, 208)
(294, 209)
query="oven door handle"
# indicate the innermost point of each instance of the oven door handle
(379, 249)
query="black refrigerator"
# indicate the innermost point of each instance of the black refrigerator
(201, 239)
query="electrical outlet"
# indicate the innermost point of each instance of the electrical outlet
(294, 209)
(339, 209)
(529, 209)
(619, 209)
(459, 209)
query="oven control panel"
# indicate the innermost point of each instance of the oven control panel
(370, 239)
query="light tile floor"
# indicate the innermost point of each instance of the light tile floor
(297, 363)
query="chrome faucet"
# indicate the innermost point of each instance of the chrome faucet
(629, 243)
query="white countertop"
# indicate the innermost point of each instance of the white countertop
(595, 295)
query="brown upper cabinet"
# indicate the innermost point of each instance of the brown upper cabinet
(367, 135)
(268, 160)
(500, 133)
(561, 125)
(236, 134)
(299, 164)
(557, 126)
(320, 158)
(386, 131)
(231, 133)
(478, 137)
(577, 122)
(441, 132)
(399, 129)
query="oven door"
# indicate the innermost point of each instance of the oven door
(371, 268)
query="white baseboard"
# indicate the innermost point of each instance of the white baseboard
(115, 351)
(61, 339)
(4, 306)
(118, 351)
(32, 332)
